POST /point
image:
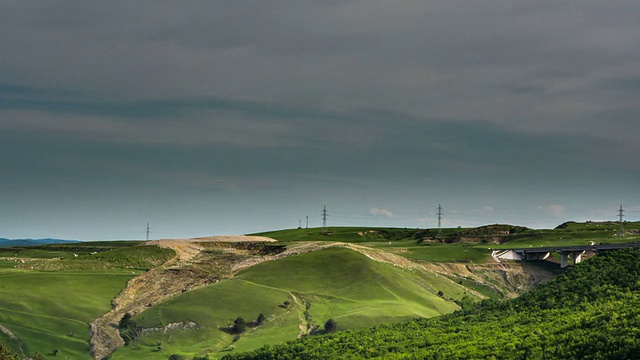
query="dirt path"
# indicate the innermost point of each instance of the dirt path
(14, 339)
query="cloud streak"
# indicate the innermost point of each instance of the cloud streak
(381, 212)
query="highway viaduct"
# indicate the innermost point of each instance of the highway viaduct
(574, 252)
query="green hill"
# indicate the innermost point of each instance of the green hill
(591, 311)
(333, 283)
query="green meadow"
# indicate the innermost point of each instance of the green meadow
(51, 310)
(48, 299)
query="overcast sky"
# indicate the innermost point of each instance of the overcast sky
(230, 117)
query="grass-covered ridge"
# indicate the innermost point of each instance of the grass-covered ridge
(469, 245)
(591, 311)
(337, 283)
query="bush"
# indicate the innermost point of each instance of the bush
(239, 325)
(330, 326)
(260, 319)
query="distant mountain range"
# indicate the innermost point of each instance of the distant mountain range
(33, 242)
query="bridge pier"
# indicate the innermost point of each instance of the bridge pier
(564, 257)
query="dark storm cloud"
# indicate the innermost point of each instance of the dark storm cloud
(438, 97)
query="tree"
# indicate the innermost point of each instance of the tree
(330, 326)
(260, 319)
(129, 330)
(239, 325)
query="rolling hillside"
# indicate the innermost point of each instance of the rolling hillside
(182, 296)
(591, 311)
(332, 283)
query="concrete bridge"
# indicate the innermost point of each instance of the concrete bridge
(573, 252)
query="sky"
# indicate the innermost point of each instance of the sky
(233, 117)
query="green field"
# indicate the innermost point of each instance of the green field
(49, 294)
(51, 310)
(334, 283)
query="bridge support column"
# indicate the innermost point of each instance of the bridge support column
(564, 260)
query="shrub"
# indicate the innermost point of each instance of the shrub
(330, 326)
(260, 319)
(239, 325)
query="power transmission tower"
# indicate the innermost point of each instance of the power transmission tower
(439, 215)
(620, 225)
(307, 222)
(299, 223)
(324, 219)
(148, 230)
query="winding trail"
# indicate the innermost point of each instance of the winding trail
(13, 338)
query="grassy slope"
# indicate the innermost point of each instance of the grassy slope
(590, 311)
(50, 310)
(338, 283)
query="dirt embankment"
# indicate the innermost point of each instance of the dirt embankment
(192, 267)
